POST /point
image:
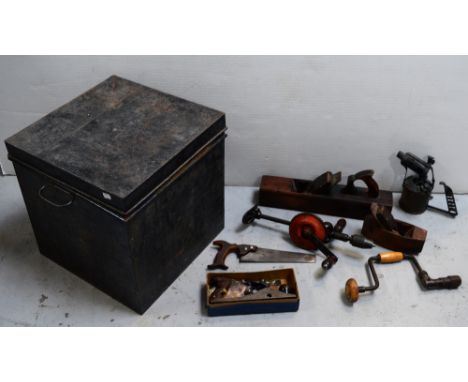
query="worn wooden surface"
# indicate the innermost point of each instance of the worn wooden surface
(34, 291)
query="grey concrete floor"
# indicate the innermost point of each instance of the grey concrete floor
(36, 292)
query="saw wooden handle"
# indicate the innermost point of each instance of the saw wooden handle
(225, 249)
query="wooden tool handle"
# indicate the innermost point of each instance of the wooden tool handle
(367, 177)
(390, 257)
(352, 290)
(323, 183)
(384, 217)
(339, 225)
(447, 282)
(225, 249)
(372, 186)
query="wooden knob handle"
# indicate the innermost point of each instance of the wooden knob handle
(339, 225)
(352, 290)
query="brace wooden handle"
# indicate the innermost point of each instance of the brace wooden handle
(352, 290)
(391, 257)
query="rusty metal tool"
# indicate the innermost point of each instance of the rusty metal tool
(324, 194)
(225, 290)
(248, 253)
(264, 294)
(352, 289)
(309, 232)
(417, 189)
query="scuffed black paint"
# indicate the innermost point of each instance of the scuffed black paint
(120, 137)
(159, 157)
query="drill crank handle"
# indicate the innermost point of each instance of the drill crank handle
(331, 257)
(339, 226)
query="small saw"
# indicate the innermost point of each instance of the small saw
(252, 254)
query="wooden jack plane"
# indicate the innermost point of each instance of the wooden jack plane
(324, 195)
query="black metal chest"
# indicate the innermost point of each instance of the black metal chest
(124, 186)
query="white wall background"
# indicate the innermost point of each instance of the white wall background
(287, 115)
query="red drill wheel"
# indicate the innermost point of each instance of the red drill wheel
(306, 222)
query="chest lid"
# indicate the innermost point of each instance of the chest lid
(117, 141)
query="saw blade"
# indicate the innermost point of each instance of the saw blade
(266, 255)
